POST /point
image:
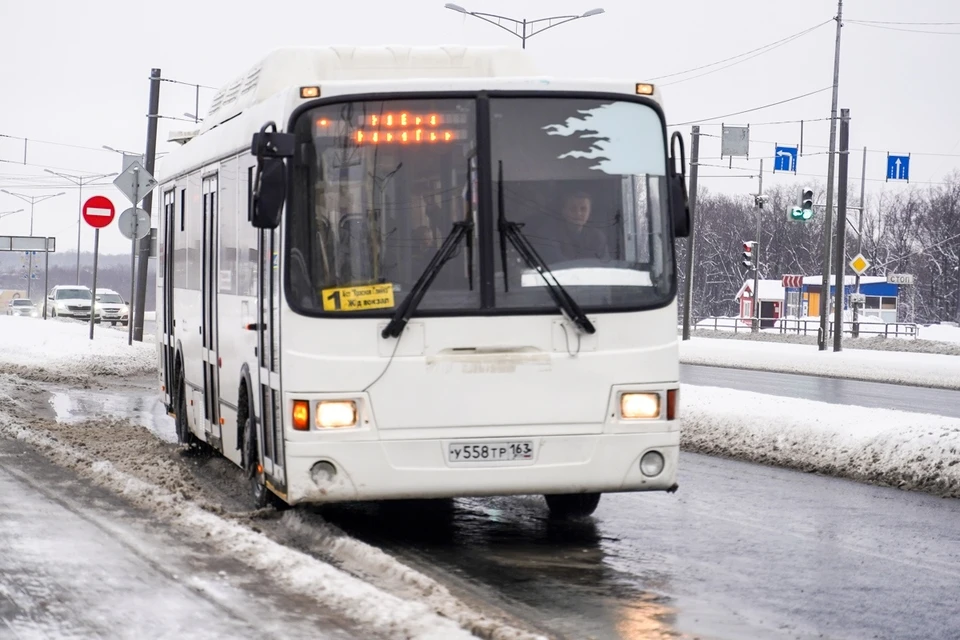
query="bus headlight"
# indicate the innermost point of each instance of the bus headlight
(634, 406)
(337, 413)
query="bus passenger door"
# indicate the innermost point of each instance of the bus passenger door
(208, 326)
(270, 425)
(168, 342)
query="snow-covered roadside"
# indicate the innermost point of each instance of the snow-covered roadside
(116, 452)
(62, 351)
(438, 615)
(897, 448)
(919, 369)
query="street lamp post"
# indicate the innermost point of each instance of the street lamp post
(4, 214)
(520, 26)
(79, 181)
(32, 200)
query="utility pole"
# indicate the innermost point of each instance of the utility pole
(79, 181)
(756, 248)
(32, 200)
(136, 319)
(841, 230)
(863, 207)
(831, 162)
(691, 244)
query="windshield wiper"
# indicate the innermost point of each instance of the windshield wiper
(511, 230)
(409, 304)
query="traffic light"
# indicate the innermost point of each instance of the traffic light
(805, 210)
(748, 255)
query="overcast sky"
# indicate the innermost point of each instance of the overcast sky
(76, 73)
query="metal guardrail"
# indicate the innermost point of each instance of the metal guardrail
(798, 326)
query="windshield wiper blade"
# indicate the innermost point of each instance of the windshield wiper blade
(409, 304)
(511, 230)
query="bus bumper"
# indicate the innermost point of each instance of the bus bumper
(413, 469)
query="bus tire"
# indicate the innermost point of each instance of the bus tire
(250, 454)
(572, 505)
(185, 437)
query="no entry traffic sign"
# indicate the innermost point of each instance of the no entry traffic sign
(98, 212)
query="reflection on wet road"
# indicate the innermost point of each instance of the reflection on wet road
(741, 551)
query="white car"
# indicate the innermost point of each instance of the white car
(22, 307)
(111, 307)
(70, 301)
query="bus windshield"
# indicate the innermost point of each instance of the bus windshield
(378, 185)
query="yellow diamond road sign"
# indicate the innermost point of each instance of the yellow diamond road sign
(859, 264)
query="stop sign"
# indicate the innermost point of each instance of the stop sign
(98, 212)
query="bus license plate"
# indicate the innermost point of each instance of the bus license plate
(492, 451)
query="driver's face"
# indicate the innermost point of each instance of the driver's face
(576, 210)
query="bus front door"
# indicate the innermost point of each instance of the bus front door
(270, 424)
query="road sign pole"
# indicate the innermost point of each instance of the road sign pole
(863, 206)
(96, 255)
(79, 225)
(46, 274)
(756, 256)
(841, 229)
(694, 172)
(828, 219)
(133, 256)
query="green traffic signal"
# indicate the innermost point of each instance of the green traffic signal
(805, 210)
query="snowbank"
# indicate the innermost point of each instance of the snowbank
(919, 369)
(62, 351)
(908, 450)
(379, 611)
(940, 333)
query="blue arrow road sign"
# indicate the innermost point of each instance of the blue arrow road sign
(898, 167)
(785, 159)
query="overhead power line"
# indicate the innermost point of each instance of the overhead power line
(801, 175)
(761, 52)
(879, 26)
(765, 106)
(741, 55)
(927, 24)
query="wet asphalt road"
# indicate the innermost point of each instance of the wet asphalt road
(78, 562)
(832, 390)
(741, 551)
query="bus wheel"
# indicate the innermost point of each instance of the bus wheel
(184, 435)
(251, 466)
(572, 505)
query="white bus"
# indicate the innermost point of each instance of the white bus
(413, 273)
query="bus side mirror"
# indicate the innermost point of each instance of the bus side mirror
(270, 183)
(676, 180)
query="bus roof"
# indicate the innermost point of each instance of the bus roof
(306, 66)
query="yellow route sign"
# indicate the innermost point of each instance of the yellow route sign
(374, 296)
(859, 264)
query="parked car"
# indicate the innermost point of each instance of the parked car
(111, 307)
(70, 301)
(22, 307)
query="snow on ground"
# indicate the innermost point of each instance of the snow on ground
(909, 450)
(332, 588)
(941, 333)
(116, 453)
(61, 350)
(920, 369)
